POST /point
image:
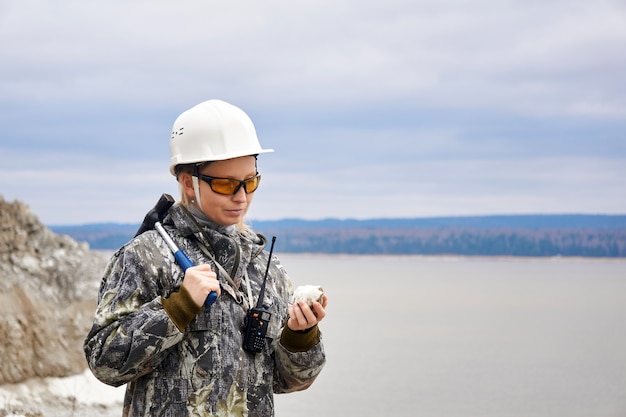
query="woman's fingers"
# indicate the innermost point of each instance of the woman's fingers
(200, 281)
(302, 316)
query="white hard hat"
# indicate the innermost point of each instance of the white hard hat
(212, 131)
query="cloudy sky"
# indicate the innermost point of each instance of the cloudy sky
(401, 108)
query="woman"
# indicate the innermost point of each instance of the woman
(152, 330)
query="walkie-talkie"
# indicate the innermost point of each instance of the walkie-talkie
(257, 319)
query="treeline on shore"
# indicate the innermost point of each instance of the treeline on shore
(456, 241)
(542, 235)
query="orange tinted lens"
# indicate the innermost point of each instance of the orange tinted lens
(252, 184)
(224, 185)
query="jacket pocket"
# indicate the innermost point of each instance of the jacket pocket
(200, 348)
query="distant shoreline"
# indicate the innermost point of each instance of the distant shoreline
(587, 236)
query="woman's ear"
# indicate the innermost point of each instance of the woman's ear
(186, 183)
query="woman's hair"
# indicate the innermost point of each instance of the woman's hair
(191, 169)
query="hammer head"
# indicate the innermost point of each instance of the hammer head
(156, 214)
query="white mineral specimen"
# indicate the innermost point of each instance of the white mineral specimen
(308, 293)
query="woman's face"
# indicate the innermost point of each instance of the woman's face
(224, 209)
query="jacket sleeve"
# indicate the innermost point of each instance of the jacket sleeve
(296, 369)
(131, 332)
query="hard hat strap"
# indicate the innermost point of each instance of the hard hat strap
(196, 189)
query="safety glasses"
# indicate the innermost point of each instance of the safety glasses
(229, 186)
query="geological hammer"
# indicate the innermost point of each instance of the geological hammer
(153, 220)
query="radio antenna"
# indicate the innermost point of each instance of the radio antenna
(259, 303)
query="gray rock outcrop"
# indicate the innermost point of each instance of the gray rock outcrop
(48, 291)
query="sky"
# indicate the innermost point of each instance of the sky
(395, 109)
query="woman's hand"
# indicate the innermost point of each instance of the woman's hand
(302, 317)
(199, 281)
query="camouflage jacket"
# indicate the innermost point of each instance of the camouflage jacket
(203, 370)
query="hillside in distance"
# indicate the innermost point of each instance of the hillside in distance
(504, 235)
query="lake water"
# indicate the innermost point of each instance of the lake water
(463, 337)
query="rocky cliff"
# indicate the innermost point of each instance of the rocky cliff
(48, 290)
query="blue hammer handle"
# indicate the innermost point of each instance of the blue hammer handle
(182, 259)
